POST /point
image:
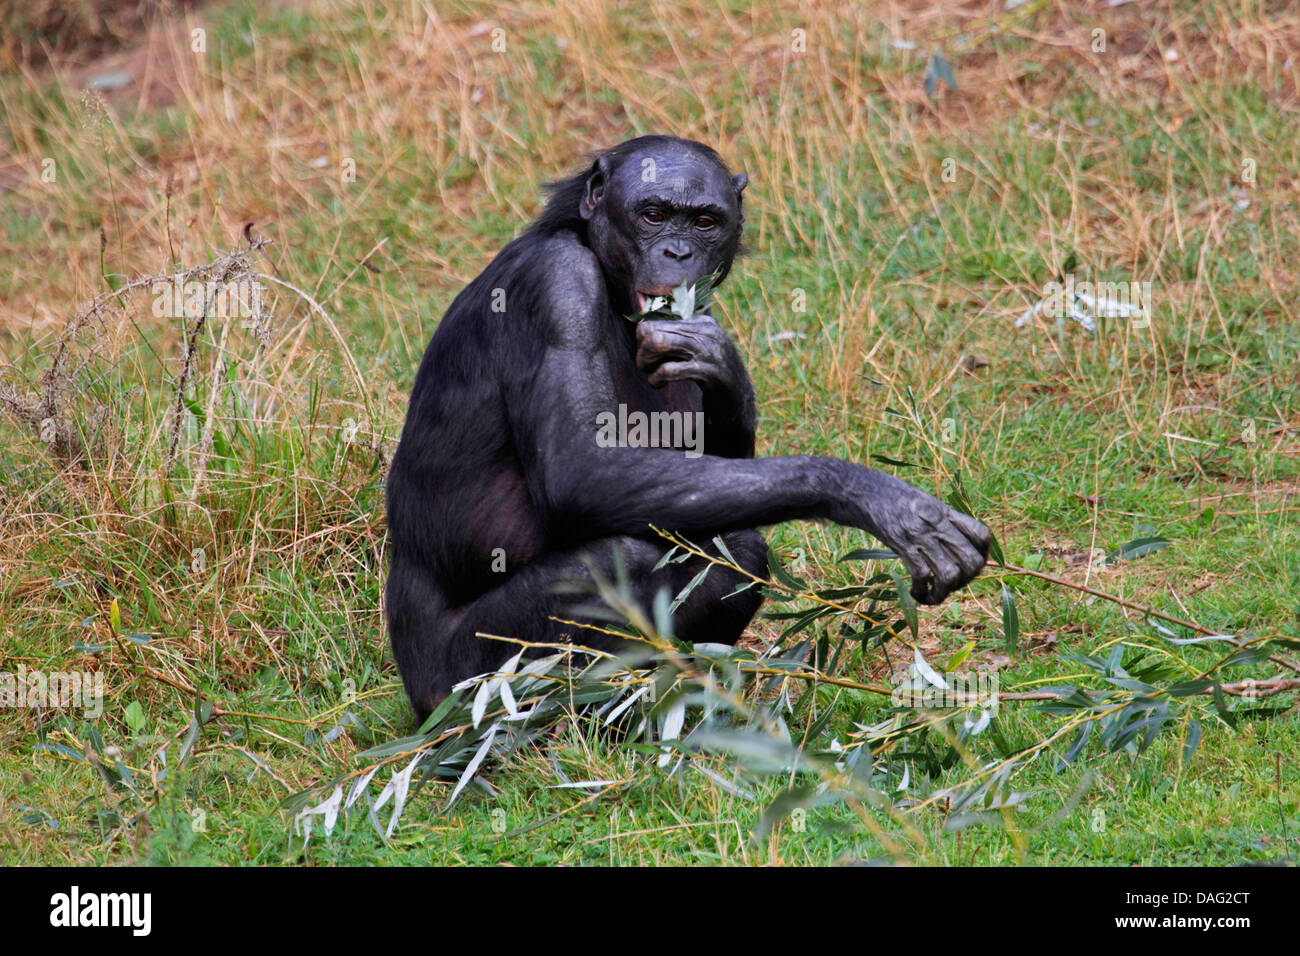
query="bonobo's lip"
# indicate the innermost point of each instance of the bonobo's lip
(643, 296)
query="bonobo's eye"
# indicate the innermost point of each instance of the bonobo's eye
(653, 216)
(705, 222)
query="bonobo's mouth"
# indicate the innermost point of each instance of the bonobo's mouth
(643, 296)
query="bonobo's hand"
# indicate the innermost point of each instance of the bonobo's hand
(941, 548)
(671, 350)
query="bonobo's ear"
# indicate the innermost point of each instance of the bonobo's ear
(740, 181)
(595, 190)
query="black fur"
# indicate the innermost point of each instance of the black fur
(499, 456)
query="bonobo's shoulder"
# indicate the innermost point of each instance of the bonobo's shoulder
(572, 282)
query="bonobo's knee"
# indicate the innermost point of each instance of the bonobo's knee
(728, 600)
(749, 548)
(637, 555)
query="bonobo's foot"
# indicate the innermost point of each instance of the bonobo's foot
(941, 548)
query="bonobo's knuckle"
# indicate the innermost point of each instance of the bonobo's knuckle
(974, 530)
(917, 568)
(927, 509)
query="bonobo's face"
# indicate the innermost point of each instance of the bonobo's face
(660, 216)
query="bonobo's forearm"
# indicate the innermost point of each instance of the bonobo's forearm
(941, 548)
(730, 416)
(664, 488)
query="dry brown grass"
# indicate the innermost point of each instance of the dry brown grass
(484, 130)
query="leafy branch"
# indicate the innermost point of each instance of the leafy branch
(726, 712)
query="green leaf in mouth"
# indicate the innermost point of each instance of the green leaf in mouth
(682, 303)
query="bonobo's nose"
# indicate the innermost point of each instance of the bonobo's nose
(678, 251)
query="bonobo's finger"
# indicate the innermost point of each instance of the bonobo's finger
(699, 327)
(659, 343)
(918, 568)
(647, 359)
(698, 332)
(700, 322)
(963, 551)
(650, 355)
(650, 335)
(647, 340)
(974, 530)
(678, 372)
(943, 579)
(921, 588)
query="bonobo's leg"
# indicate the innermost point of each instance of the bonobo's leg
(435, 645)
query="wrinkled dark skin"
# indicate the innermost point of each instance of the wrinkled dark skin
(499, 458)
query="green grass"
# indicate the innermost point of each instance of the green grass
(1130, 165)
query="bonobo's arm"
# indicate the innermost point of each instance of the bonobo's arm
(606, 491)
(699, 350)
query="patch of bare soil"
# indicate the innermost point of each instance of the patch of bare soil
(132, 53)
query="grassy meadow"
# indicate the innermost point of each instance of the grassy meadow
(194, 509)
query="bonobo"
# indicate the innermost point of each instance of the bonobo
(506, 483)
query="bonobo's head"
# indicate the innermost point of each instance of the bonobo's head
(661, 211)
